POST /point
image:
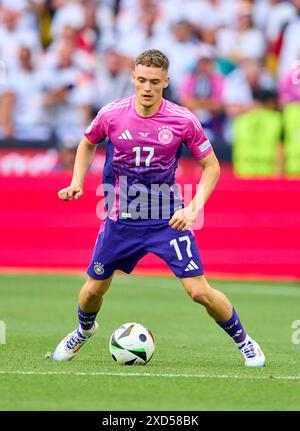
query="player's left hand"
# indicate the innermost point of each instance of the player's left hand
(183, 219)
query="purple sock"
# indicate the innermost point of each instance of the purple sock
(234, 328)
(86, 320)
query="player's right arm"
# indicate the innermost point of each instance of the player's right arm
(84, 157)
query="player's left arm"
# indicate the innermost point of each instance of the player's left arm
(184, 218)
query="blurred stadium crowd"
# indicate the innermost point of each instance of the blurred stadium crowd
(62, 60)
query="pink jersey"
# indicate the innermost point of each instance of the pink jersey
(145, 150)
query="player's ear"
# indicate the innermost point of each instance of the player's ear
(132, 77)
(166, 83)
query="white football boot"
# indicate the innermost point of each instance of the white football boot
(70, 345)
(252, 353)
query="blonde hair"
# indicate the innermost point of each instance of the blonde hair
(153, 58)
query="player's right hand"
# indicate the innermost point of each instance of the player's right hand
(68, 193)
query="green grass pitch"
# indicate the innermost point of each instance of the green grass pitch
(196, 366)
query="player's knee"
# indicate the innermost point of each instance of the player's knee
(92, 293)
(95, 289)
(200, 295)
(198, 289)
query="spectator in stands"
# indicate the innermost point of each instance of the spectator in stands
(140, 30)
(289, 86)
(209, 16)
(202, 93)
(88, 34)
(21, 111)
(67, 13)
(67, 97)
(182, 50)
(113, 80)
(171, 11)
(26, 11)
(80, 53)
(12, 33)
(279, 14)
(105, 16)
(83, 51)
(258, 77)
(43, 12)
(237, 94)
(242, 87)
(243, 41)
(291, 43)
(95, 28)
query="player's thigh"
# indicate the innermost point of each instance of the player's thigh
(178, 249)
(118, 246)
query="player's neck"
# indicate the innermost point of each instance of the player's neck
(147, 111)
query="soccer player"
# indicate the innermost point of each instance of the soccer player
(145, 133)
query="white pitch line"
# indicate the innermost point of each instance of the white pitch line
(159, 375)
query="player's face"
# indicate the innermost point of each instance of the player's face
(149, 83)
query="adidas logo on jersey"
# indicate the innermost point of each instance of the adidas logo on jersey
(126, 135)
(191, 266)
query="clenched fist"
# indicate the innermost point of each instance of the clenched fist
(68, 193)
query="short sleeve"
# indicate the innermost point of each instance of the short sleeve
(12, 83)
(98, 128)
(196, 140)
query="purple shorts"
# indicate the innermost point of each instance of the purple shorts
(121, 246)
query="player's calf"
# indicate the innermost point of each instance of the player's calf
(90, 298)
(92, 292)
(221, 310)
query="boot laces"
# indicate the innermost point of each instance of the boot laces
(248, 350)
(74, 341)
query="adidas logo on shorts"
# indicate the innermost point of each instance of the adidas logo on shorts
(191, 266)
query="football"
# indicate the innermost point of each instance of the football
(132, 344)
